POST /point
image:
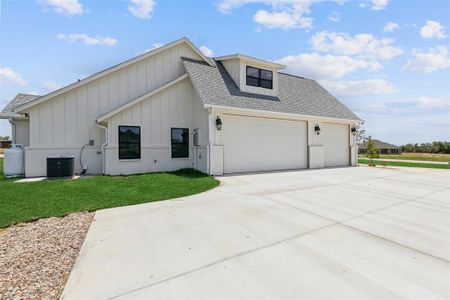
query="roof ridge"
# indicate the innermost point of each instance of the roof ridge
(195, 60)
(296, 76)
(24, 94)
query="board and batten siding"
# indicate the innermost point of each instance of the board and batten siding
(21, 132)
(233, 67)
(66, 122)
(178, 106)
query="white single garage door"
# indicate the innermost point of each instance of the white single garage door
(262, 144)
(336, 141)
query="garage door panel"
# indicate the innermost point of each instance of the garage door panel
(258, 144)
(336, 141)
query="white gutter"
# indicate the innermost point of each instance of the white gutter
(278, 114)
(103, 146)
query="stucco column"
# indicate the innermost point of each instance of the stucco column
(215, 150)
(316, 158)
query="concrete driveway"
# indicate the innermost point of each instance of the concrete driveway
(335, 233)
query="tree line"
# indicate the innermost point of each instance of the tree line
(434, 147)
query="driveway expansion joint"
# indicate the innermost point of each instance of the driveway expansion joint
(343, 222)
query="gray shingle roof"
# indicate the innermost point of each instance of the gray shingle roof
(297, 95)
(20, 99)
(379, 144)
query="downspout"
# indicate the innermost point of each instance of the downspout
(103, 146)
(13, 130)
(210, 140)
(13, 141)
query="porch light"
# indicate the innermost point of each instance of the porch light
(219, 123)
(353, 130)
(317, 129)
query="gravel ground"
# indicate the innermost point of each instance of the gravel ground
(37, 257)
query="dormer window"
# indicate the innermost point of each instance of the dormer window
(259, 78)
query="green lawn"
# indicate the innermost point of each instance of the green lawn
(415, 156)
(20, 202)
(403, 164)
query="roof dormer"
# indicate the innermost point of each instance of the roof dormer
(252, 75)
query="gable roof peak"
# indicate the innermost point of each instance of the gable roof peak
(23, 107)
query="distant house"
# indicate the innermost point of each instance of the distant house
(5, 144)
(385, 148)
(173, 108)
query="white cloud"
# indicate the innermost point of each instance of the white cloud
(154, 46)
(359, 88)
(432, 30)
(86, 39)
(390, 27)
(419, 103)
(9, 75)
(141, 8)
(335, 17)
(283, 20)
(285, 14)
(318, 66)
(206, 51)
(436, 58)
(65, 7)
(157, 45)
(226, 6)
(379, 4)
(364, 45)
(51, 86)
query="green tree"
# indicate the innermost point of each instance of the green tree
(372, 150)
(4, 138)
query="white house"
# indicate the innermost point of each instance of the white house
(174, 108)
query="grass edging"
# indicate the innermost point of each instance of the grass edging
(402, 164)
(438, 157)
(23, 202)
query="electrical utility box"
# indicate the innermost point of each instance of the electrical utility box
(196, 136)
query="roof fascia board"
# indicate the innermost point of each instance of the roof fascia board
(251, 59)
(3, 117)
(86, 80)
(286, 115)
(108, 115)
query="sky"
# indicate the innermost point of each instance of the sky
(387, 60)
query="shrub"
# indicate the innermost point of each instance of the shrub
(372, 150)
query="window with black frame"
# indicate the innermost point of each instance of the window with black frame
(259, 78)
(180, 142)
(129, 142)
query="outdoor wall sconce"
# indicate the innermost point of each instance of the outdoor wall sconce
(353, 130)
(218, 123)
(317, 129)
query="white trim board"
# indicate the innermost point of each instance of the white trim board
(278, 115)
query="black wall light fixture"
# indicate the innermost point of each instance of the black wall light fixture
(317, 129)
(354, 131)
(218, 123)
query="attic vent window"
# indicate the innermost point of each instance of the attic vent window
(259, 77)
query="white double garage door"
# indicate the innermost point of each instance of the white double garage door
(264, 144)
